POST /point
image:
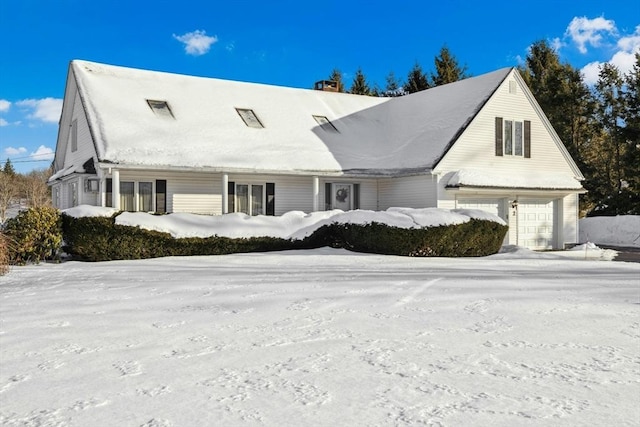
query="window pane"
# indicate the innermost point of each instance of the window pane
(126, 196)
(342, 196)
(256, 199)
(144, 196)
(518, 139)
(508, 143)
(242, 198)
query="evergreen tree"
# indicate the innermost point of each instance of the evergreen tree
(609, 182)
(8, 168)
(631, 133)
(336, 76)
(393, 87)
(360, 85)
(447, 69)
(416, 80)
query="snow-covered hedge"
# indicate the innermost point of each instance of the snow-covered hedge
(103, 234)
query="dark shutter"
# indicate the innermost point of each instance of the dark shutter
(161, 195)
(327, 196)
(109, 195)
(271, 198)
(499, 136)
(356, 196)
(527, 139)
(231, 192)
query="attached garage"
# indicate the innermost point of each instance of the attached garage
(532, 222)
(536, 223)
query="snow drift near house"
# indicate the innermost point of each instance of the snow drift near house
(623, 230)
(291, 225)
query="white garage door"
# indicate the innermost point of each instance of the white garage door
(488, 205)
(536, 224)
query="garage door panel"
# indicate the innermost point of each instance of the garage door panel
(536, 224)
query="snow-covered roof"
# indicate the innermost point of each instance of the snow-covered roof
(484, 179)
(374, 135)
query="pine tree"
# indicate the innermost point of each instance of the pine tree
(416, 80)
(631, 133)
(360, 85)
(336, 76)
(8, 168)
(447, 69)
(393, 87)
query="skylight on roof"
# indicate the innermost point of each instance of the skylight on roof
(249, 117)
(325, 123)
(161, 108)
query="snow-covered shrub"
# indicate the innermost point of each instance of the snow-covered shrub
(101, 239)
(473, 238)
(35, 235)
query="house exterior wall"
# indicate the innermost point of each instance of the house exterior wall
(412, 192)
(475, 149)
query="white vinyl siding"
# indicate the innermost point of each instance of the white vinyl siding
(476, 147)
(411, 192)
(85, 148)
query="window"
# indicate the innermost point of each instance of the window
(513, 138)
(74, 136)
(249, 117)
(126, 196)
(325, 124)
(252, 199)
(145, 194)
(160, 108)
(343, 196)
(56, 197)
(73, 194)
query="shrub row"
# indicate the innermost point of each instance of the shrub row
(101, 239)
(473, 238)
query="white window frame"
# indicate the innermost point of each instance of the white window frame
(513, 134)
(249, 185)
(250, 118)
(325, 123)
(160, 108)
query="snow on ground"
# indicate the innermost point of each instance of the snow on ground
(323, 337)
(623, 230)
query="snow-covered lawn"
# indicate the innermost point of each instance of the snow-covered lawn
(323, 337)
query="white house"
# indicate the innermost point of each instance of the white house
(142, 140)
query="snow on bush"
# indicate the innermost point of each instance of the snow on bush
(291, 225)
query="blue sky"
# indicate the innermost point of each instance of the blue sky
(288, 43)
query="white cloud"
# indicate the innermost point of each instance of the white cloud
(4, 105)
(557, 44)
(197, 42)
(590, 72)
(623, 59)
(3, 122)
(584, 31)
(11, 151)
(45, 109)
(43, 153)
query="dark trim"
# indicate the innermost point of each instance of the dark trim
(527, 139)
(231, 197)
(161, 195)
(356, 196)
(270, 208)
(499, 136)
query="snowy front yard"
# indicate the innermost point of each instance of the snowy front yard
(324, 337)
